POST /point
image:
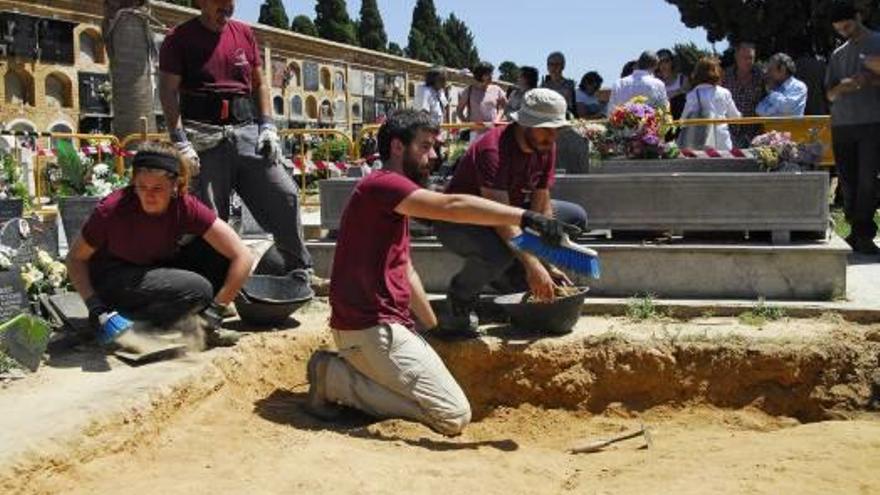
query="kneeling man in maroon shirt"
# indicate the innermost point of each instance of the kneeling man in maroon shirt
(383, 367)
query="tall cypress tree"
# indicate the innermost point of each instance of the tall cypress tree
(272, 13)
(395, 49)
(371, 29)
(458, 49)
(302, 24)
(333, 22)
(426, 35)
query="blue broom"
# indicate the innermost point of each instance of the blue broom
(568, 255)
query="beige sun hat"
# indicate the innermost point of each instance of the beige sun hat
(542, 107)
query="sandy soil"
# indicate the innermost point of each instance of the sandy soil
(234, 446)
(245, 431)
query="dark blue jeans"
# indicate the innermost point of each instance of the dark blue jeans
(488, 259)
(857, 151)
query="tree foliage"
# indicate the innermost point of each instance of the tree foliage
(395, 49)
(371, 29)
(272, 13)
(459, 49)
(687, 55)
(792, 26)
(508, 72)
(426, 38)
(333, 22)
(302, 24)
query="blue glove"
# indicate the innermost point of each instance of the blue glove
(112, 326)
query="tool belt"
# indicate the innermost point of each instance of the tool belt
(218, 109)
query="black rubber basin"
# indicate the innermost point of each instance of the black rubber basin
(268, 300)
(555, 318)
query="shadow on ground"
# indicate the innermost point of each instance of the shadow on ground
(285, 407)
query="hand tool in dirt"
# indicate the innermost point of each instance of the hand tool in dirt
(567, 254)
(598, 445)
(24, 339)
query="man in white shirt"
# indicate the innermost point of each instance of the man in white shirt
(641, 83)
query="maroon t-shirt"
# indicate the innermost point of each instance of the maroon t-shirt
(369, 285)
(496, 161)
(209, 62)
(119, 228)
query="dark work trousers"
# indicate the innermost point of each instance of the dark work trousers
(266, 188)
(161, 294)
(857, 153)
(488, 259)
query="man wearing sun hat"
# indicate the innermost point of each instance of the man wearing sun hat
(514, 165)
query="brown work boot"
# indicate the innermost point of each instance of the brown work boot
(316, 372)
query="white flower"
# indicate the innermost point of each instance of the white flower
(58, 268)
(5, 262)
(56, 280)
(101, 170)
(44, 260)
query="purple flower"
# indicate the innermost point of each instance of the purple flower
(651, 139)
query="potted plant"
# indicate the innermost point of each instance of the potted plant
(14, 196)
(79, 183)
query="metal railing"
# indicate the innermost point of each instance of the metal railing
(460, 126)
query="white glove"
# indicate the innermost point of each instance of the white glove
(186, 149)
(269, 144)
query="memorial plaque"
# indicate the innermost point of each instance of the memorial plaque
(381, 82)
(355, 82)
(311, 78)
(13, 296)
(369, 87)
(278, 69)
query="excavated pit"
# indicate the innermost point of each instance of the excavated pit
(234, 423)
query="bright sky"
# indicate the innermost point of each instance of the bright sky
(594, 34)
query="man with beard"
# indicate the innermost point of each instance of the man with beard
(217, 107)
(383, 368)
(513, 165)
(855, 122)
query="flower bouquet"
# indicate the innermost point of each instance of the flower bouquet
(776, 151)
(638, 130)
(45, 275)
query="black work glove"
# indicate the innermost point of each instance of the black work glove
(551, 230)
(97, 307)
(213, 315)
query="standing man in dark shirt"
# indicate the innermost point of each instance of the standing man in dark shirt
(855, 123)
(219, 115)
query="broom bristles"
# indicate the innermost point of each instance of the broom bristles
(576, 258)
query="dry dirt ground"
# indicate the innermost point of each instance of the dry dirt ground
(712, 432)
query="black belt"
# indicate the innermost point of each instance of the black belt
(218, 109)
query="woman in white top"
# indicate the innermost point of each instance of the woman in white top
(431, 97)
(709, 99)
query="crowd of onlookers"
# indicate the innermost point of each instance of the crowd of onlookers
(745, 88)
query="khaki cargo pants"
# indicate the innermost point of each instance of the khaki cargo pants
(388, 371)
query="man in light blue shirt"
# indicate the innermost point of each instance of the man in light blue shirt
(787, 95)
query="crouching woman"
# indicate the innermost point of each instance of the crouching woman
(152, 252)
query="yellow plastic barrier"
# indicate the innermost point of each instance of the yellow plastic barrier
(802, 129)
